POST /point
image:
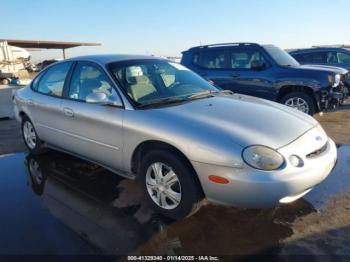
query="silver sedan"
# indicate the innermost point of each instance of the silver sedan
(149, 118)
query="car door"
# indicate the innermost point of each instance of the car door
(247, 78)
(93, 131)
(212, 64)
(46, 101)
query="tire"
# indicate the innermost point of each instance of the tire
(184, 188)
(5, 81)
(31, 138)
(300, 97)
(37, 177)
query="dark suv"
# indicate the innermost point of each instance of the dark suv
(268, 72)
(333, 56)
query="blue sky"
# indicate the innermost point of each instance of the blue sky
(164, 27)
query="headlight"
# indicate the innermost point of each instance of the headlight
(262, 157)
(334, 81)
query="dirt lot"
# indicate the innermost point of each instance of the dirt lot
(337, 124)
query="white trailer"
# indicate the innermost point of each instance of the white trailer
(12, 62)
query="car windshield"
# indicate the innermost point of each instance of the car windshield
(154, 81)
(280, 56)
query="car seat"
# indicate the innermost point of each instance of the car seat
(88, 86)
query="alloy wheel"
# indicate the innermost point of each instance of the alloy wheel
(29, 135)
(298, 103)
(35, 172)
(163, 185)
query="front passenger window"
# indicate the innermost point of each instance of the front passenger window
(89, 79)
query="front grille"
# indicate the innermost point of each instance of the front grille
(317, 152)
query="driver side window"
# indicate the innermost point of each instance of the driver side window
(88, 79)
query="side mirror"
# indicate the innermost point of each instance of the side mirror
(102, 99)
(257, 65)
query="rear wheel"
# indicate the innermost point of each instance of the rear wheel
(170, 184)
(30, 137)
(301, 101)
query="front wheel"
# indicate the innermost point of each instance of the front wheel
(170, 184)
(301, 101)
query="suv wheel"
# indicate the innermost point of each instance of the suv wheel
(170, 184)
(301, 101)
(30, 137)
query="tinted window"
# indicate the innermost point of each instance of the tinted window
(52, 81)
(87, 79)
(35, 82)
(319, 57)
(331, 58)
(212, 59)
(147, 81)
(243, 58)
(343, 57)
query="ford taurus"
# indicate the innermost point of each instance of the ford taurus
(149, 118)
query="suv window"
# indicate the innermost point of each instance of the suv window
(52, 82)
(215, 58)
(87, 79)
(242, 59)
(343, 57)
(316, 57)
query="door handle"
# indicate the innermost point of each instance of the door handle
(235, 75)
(68, 112)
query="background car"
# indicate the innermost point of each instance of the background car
(334, 56)
(153, 119)
(268, 72)
(40, 66)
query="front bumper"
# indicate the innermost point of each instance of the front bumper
(251, 188)
(333, 97)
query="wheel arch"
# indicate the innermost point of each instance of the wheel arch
(22, 114)
(284, 90)
(147, 146)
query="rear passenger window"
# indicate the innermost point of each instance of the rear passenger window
(211, 59)
(36, 82)
(52, 82)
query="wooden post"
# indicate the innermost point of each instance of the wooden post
(64, 53)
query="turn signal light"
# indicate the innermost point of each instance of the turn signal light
(218, 179)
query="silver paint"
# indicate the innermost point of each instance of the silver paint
(211, 133)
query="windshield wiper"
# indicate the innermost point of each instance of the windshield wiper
(209, 93)
(226, 92)
(203, 94)
(164, 101)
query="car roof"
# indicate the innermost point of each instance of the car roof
(318, 49)
(109, 58)
(222, 45)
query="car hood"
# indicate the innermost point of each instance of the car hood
(244, 120)
(326, 68)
